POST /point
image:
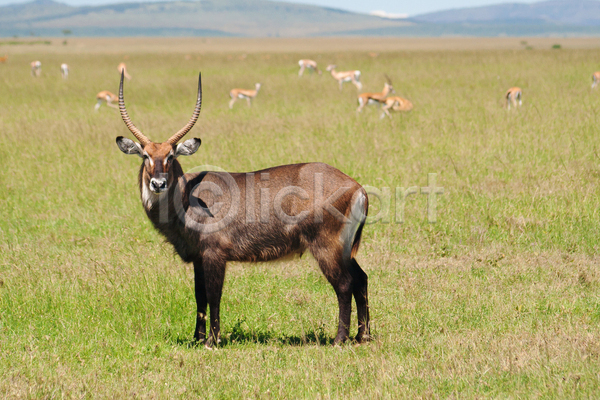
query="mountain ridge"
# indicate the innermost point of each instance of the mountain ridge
(559, 12)
(227, 17)
(264, 18)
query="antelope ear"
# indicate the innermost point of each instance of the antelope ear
(188, 147)
(128, 146)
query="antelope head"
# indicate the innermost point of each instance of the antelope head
(331, 67)
(160, 168)
(388, 85)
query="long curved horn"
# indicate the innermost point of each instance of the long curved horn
(388, 79)
(136, 132)
(176, 137)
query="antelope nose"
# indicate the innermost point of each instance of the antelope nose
(158, 184)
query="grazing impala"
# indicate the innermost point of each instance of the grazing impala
(123, 70)
(595, 79)
(345, 76)
(3, 59)
(36, 68)
(375, 98)
(106, 96)
(310, 64)
(211, 218)
(395, 103)
(243, 94)
(512, 96)
(64, 70)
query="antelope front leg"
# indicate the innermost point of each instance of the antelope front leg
(214, 276)
(200, 291)
(249, 101)
(361, 106)
(385, 112)
(233, 99)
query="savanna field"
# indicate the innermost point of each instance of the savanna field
(500, 298)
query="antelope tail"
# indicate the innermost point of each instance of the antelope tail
(353, 229)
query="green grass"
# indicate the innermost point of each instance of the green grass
(499, 299)
(20, 42)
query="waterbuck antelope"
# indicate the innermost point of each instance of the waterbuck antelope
(214, 217)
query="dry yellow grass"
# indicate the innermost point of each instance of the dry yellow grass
(318, 45)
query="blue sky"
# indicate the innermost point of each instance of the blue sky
(390, 6)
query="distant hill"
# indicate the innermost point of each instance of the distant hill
(556, 12)
(262, 18)
(190, 18)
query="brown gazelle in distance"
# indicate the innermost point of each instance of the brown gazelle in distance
(595, 79)
(106, 96)
(211, 218)
(122, 68)
(345, 76)
(512, 96)
(36, 68)
(311, 65)
(243, 94)
(375, 98)
(64, 70)
(395, 103)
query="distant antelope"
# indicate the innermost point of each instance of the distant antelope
(106, 96)
(395, 103)
(211, 218)
(64, 70)
(3, 59)
(36, 68)
(375, 98)
(595, 79)
(243, 94)
(345, 76)
(512, 96)
(123, 69)
(310, 64)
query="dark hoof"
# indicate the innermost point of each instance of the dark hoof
(211, 343)
(363, 338)
(339, 340)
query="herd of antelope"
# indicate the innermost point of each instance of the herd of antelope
(382, 99)
(386, 102)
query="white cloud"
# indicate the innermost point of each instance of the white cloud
(383, 14)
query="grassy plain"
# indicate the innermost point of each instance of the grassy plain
(499, 299)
